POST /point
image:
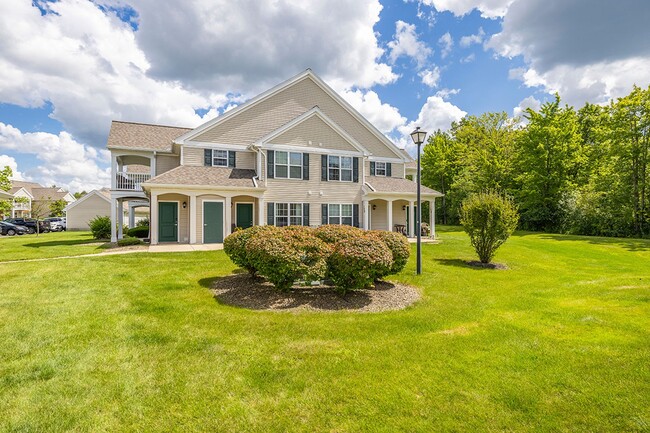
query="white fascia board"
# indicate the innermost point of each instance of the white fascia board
(136, 151)
(31, 197)
(401, 195)
(306, 116)
(182, 189)
(384, 159)
(314, 150)
(219, 146)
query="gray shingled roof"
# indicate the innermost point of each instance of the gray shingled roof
(205, 176)
(395, 184)
(48, 194)
(143, 136)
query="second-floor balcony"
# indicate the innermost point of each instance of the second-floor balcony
(22, 206)
(130, 181)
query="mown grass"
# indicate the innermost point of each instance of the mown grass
(559, 342)
(48, 245)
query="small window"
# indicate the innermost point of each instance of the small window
(380, 169)
(288, 165)
(281, 214)
(296, 214)
(220, 158)
(339, 168)
(339, 214)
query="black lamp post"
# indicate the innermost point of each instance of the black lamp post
(418, 137)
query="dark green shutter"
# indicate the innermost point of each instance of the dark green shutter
(372, 168)
(323, 167)
(231, 158)
(270, 160)
(207, 157)
(355, 169)
(355, 215)
(324, 213)
(388, 170)
(305, 214)
(270, 213)
(305, 166)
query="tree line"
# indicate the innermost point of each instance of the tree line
(569, 171)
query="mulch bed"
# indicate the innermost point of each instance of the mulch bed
(242, 290)
(477, 264)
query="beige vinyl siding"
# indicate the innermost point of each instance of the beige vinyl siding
(199, 213)
(165, 163)
(183, 215)
(250, 125)
(313, 132)
(193, 156)
(313, 191)
(79, 216)
(379, 215)
(396, 169)
(399, 214)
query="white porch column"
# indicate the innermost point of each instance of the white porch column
(153, 165)
(366, 215)
(261, 204)
(389, 206)
(113, 172)
(192, 218)
(113, 220)
(131, 216)
(411, 219)
(153, 218)
(120, 218)
(228, 212)
(432, 217)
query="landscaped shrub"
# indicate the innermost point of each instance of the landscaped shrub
(334, 233)
(138, 232)
(124, 242)
(399, 247)
(357, 261)
(235, 246)
(286, 255)
(144, 222)
(489, 219)
(100, 227)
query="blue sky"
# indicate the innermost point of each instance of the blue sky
(71, 66)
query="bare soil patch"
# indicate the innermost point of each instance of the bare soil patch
(477, 264)
(242, 290)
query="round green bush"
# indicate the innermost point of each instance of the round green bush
(234, 245)
(138, 232)
(100, 227)
(357, 261)
(399, 247)
(287, 255)
(334, 233)
(124, 242)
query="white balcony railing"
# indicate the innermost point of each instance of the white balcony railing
(130, 181)
(22, 206)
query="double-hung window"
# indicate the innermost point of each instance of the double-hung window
(340, 214)
(219, 158)
(288, 214)
(339, 168)
(380, 169)
(288, 165)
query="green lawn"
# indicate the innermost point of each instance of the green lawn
(48, 245)
(559, 342)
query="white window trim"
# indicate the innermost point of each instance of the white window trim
(341, 216)
(289, 216)
(288, 165)
(377, 163)
(340, 169)
(214, 157)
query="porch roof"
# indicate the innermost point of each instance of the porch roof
(126, 135)
(205, 176)
(393, 185)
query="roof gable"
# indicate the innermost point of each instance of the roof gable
(143, 136)
(93, 193)
(269, 111)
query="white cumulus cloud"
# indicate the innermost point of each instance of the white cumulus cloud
(406, 43)
(446, 43)
(430, 77)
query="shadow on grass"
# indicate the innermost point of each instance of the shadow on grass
(79, 242)
(474, 265)
(630, 244)
(242, 290)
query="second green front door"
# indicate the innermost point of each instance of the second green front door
(212, 222)
(244, 215)
(168, 221)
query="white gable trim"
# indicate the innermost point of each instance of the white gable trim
(94, 192)
(26, 191)
(221, 146)
(264, 141)
(263, 96)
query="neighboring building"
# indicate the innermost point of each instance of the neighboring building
(297, 154)
(31, 199)
(98, 203)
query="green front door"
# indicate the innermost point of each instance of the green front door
(212, 222)
(244, 215)
(168, 222)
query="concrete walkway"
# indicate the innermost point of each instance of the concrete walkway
(179, 248)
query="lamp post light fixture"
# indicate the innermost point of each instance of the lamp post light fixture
(418, 137)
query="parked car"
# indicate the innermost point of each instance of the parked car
(30, 224)
(8, 229)
(57, 224)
